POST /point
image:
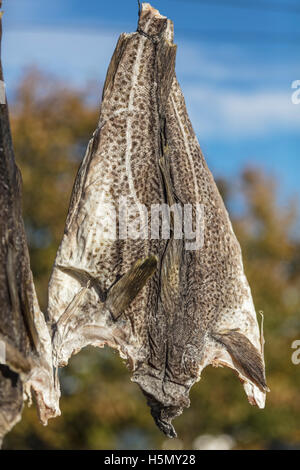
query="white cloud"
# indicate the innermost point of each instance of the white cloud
(73, 55)
(197, 62)
(230, 63)
(209, 77)
(231, 113)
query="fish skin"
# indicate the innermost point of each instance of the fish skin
(26, 368)
(216, 279)
(196, 307)
(123, 153)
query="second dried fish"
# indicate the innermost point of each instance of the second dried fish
(171, 299)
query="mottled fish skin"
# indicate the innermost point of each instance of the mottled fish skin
(208, 308)
(191, 308)
(26, 366)
(122, 160)
(215, 283)
(212, 296)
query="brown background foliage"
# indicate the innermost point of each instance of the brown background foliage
(101, 408)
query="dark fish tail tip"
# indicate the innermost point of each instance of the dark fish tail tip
(246, 357)
(167, 428)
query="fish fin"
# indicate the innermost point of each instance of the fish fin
(14, 359)
(245, 356)
(122, 293)
(17, 305)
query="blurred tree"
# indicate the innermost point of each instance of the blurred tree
(101, 408)
(51, 126)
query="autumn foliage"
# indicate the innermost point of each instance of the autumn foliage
(101, 408)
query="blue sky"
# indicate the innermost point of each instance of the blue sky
(236, 62)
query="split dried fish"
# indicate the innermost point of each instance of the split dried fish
(171, 305)
(25, 341)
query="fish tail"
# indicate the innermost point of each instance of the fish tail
(247, 359)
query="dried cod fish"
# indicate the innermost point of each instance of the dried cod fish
(25, 342)
(171, 306)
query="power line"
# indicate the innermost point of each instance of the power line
(253, 5)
